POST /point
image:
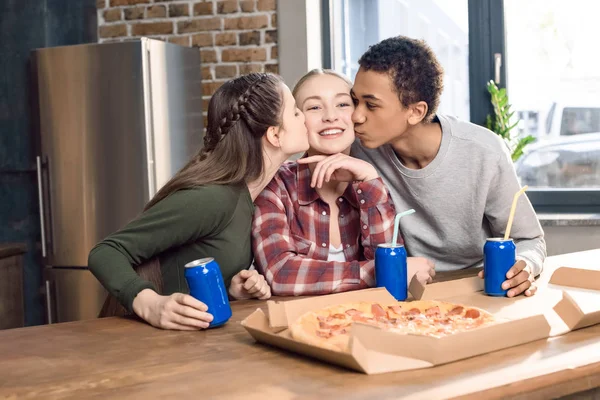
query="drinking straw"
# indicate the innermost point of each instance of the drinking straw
(512, 211)
(397, 224)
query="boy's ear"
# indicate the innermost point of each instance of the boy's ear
(417, 112)
(272, 136)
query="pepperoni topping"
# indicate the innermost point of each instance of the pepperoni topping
(377, 310)
(396, 309)
(353, 311)
(413, 311)
(433, 311)
(472, 313)
(456, 310)
(339, 316)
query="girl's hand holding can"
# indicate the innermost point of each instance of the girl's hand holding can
(178, 311)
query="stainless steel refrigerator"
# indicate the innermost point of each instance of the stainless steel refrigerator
(116, 121)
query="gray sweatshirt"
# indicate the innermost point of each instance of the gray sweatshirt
(461, 198)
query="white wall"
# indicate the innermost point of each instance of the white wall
(299, 37)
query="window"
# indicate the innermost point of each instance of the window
(443, 24)
(552, 72)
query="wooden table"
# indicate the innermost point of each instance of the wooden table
(125, 358)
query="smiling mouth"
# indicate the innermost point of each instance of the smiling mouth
(331, 132)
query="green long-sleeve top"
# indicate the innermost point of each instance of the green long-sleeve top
(207, 221)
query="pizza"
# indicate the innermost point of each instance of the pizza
(330, 327)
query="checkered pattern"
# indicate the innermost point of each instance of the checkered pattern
(290, 235)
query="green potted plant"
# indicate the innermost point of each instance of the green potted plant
(501, 124)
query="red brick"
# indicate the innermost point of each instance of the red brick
(248, 5)
(252, 54)
(227, 7)
(225, 39)
(274, 21)
(274, 53)
(225, 71)
(248, 38)
(207, 75)
(100, 4)
(271, 36)
(152, 28)
(209, 88)
(116, 3)
(248, 68)
(202, 40)
(180, 40)
(156, 12)
(208, 56)
(272, 68)
(253, 22)
(134, 13)
(203, 9)
(112, 14)
(179, 10)
(266, 5)
(109, 31)
(198, 25)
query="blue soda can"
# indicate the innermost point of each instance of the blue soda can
(498, 258)
(206, 284)
(391, 270)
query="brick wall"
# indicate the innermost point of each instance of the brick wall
(234, 37)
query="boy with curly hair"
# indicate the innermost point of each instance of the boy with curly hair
(458, 176)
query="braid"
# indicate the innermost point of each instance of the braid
(239, 108)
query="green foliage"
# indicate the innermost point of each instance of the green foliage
(501, 122)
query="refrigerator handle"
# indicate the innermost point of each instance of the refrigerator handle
(149, 122)
(49, 302)
(41, 203)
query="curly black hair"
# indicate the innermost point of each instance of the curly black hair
(414, 68)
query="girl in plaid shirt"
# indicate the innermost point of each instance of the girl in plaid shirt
(318, 222)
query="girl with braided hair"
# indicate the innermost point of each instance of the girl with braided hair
(206, 209)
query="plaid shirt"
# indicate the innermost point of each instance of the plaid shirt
(290, 235)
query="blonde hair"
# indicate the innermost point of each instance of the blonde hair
(319, 71)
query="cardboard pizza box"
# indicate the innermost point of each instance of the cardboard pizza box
(574, 291)
(579, 306)
(373, 350)
(444, 290)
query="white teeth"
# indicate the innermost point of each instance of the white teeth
(330, 132)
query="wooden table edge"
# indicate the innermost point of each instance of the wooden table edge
(560, 383)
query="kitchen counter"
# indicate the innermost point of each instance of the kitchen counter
(126, 358)
(569, 219)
